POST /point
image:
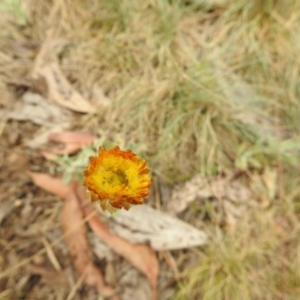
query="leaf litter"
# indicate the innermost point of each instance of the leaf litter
(78, 245)
(144, 224)
(234, 196)
(5, 209)
(42, 137)
(126, 233)
(75, 232)
(140, 256)
(59, 88)
(49, 275)
(40, 111)
(267, 183)
(67, 142)
(61, 91)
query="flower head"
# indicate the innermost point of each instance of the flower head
(117, 179)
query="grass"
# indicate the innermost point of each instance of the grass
(196, 86)
(244, 265)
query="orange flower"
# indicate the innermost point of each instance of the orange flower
(117, 179)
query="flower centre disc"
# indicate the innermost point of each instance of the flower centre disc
(116, 178)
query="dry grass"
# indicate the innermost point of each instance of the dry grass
(254, 262)
(196, 86)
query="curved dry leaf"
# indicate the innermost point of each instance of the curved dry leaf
(78, 245)
(50, 184)
(49, 50)
(72, 141)
(72, 137)
(61, 91)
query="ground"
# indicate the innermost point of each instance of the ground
(205, 91)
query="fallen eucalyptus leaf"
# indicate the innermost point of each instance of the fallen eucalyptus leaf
(39, 110)
(144, 224)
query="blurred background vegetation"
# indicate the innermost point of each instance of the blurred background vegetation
(207, 86)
